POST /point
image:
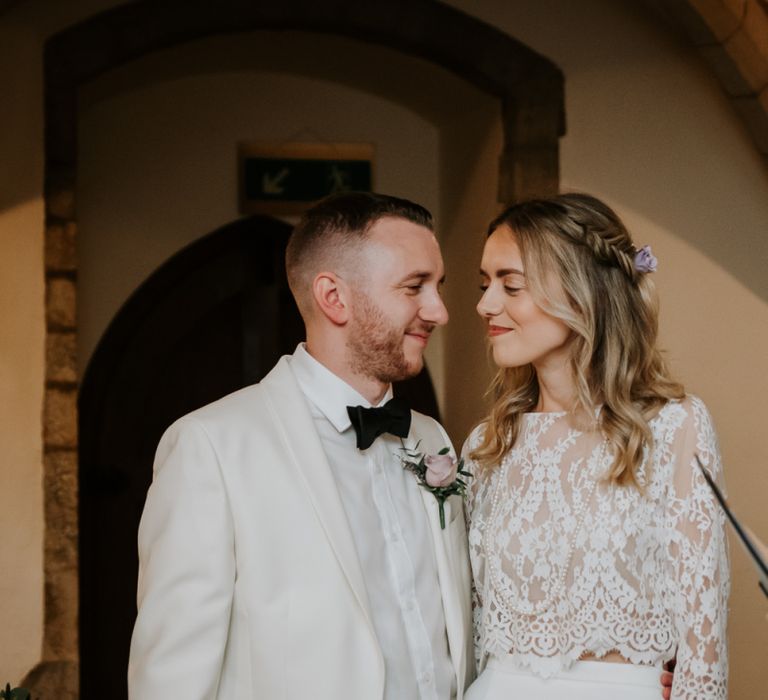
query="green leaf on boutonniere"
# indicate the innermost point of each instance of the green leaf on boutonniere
(445, 471)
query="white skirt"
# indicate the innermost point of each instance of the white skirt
(585, 680)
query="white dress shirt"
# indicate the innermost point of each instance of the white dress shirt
(389, 526)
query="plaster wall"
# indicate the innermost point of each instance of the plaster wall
(21, 353)
(21, 487)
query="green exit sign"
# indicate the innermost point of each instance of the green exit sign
(287, 178)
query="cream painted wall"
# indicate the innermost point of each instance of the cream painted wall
(648, 130)
(21, 354)
(21, 493)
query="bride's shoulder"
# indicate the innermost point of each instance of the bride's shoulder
(689, 410)
(473, 440)
(478, 470)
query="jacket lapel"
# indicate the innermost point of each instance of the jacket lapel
(305, 452)
(450, 555)
(454, 605)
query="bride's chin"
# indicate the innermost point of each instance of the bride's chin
(503, 361)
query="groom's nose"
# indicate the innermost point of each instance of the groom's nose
(434, 311)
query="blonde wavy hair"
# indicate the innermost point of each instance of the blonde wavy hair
(612, 311)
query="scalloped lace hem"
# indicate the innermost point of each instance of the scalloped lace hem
(549, 666)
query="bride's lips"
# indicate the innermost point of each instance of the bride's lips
(497, 330)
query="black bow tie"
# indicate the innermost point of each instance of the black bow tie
(393, 417)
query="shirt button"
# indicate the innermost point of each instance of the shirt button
(410, 606)
(425, 678)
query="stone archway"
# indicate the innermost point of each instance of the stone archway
(528, 86)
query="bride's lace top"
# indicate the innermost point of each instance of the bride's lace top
(566, 564)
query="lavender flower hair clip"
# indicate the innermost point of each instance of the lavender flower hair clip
(645, 260)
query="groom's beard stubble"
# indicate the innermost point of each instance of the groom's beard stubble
(376, 346)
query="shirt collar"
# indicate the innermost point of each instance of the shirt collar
(328, 392)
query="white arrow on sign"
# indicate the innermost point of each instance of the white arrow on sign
(272, 184)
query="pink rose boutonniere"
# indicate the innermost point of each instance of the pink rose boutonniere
(439, 474)
(441, 469)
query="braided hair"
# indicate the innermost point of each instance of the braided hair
(580, 267)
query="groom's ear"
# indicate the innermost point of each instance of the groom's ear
(331, 295)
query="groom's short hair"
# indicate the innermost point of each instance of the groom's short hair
(329, 235)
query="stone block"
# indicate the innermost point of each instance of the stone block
(53, 679)
(727, 70)
(61, 517)
(529, 171)
(60, 202)
(61, 611)
(755, 116)
(61, 306)
(722, 17)
(531, 119)
(748, 47)
(528, 166)
(60, 418)
(61, 246)
(705, 22)
(61, 356)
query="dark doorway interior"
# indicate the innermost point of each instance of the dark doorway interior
(214, 318)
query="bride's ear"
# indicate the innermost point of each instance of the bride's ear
(331, 297)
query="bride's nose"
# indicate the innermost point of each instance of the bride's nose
(488, 306)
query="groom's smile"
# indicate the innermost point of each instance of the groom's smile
(421, 336)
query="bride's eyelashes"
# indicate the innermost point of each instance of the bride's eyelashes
(509, 290)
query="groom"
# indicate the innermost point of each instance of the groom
(284, 551)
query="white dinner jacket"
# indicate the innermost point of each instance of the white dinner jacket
(250, 587)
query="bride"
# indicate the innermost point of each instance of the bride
(598, 552)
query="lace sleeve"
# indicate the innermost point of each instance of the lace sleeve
(469, 465)
(699, 561)
(472, 494)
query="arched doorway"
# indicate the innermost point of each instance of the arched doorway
(212, 319)
(529, 89)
